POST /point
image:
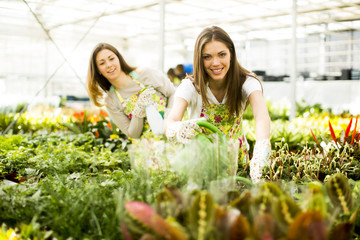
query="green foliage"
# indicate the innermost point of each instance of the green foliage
(104, 130)
(309, 164)
(68, 183)
(55, 154)
(65, 186)
(276, 112)
(303, 109)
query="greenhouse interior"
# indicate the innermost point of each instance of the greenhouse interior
(180, 119)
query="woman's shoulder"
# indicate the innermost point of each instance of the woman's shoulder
(149, 75)
(146, 71)
(109, 97)
(140, 70)
(251, 84)
(186, 90)
(187, 83)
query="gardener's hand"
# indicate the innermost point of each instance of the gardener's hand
(182, 132)
(144, 99)
(260, 158)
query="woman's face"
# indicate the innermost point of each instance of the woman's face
(216, 59)
(108, 64)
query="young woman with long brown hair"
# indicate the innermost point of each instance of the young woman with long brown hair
(124, 90)
(219, 91)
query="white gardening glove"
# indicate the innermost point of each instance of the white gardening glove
(145, 98)
(261, 154)
(182, 132)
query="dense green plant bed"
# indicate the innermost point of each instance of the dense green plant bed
(71, 178)
(62, 186)
(66, 185)
(44, 120)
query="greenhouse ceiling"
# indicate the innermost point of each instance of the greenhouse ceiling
(182, 19)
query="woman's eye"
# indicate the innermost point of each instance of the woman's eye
(102, 63)
(206, 57)
(222, 54)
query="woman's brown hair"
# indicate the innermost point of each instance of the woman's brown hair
(96, 83)
(234, 78)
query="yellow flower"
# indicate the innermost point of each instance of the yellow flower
(161, 108)
(113, 136)
(10, 234)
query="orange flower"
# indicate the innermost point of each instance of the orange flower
(96, 134)
(109, 125)
(76, 115)
(79, 116)
(103, 114)
(82, 115)
(93, 118)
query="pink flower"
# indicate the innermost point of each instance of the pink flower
(218, 118)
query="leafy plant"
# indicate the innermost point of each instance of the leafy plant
(267, 211)
(104, 130)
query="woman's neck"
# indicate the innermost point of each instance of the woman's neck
(218, 89)
(122, 81)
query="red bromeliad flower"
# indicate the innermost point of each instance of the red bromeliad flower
(314, 137)
(348, 130)
(332, 132)
(346, 135)
(354, 132)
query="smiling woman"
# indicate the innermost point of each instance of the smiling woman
(124, 90)
(219, 91)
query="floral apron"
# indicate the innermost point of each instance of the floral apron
(130, 102)
(146, 152)
(219, 116)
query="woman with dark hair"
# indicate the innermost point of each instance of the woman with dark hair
(125, 91)
(219, 91)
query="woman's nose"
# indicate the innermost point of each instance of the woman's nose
(108, 64)
(216, 61)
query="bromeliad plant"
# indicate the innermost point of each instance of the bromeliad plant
(321, 211)
(346, 144)
(328, 157)
(345, 139)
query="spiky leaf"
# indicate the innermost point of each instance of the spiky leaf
(272, 188)
(201, 215)
(307, 225)
(285, 210)
(315, 200)
(138, 217)
(170, 230)
(240, 229)
(339, 192)
(243, 203)
(264, 226)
